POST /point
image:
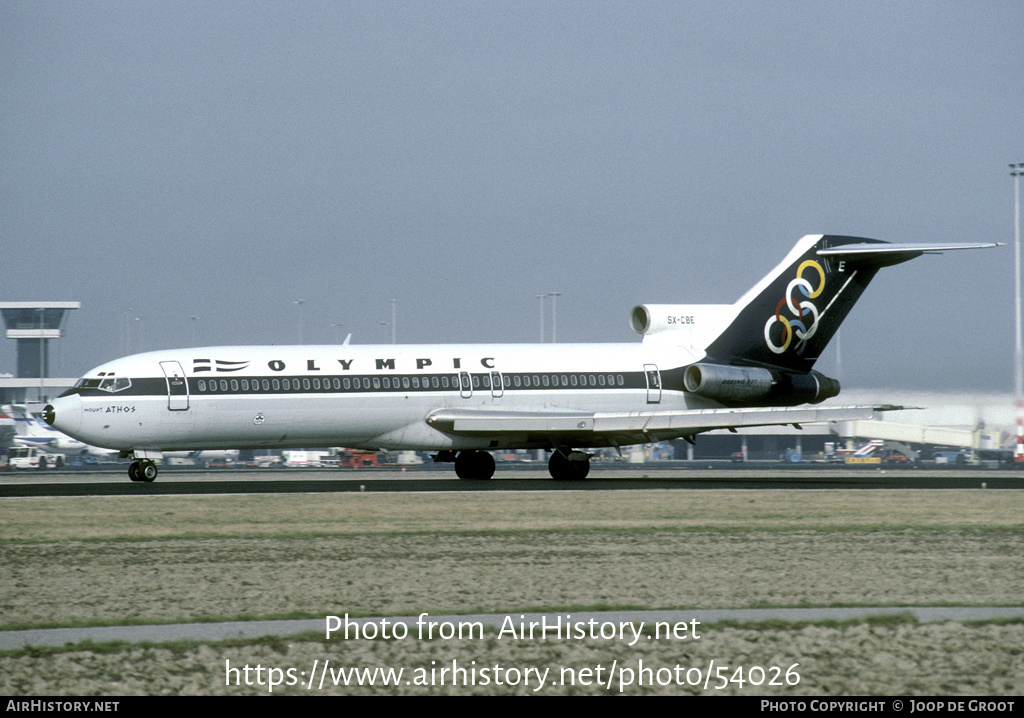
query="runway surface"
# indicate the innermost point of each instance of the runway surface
(247, 481)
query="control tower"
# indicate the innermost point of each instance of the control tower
(32, 325)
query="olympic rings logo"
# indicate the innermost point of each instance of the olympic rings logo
(802, 321)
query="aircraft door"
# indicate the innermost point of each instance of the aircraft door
(653, 383)
(497, 388)
(177, 386)
(465, 384)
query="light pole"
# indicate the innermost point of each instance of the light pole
(554, 315)
(126, 331)
(142, 344)
(300, 302)
(541, 298)
(394, 319)
(1016, 170)
(42, 355)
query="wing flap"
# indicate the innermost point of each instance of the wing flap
(681, 423)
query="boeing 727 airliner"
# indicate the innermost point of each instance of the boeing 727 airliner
(698, 367)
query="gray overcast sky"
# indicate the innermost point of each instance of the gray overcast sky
(222, 160)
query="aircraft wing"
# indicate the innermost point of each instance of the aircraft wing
(639, 425)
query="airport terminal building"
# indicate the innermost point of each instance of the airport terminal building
(984, 423)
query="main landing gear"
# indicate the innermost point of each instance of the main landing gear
(570, 466)
(474, 465)
(468, 464)
(142, 471)
(563, 466)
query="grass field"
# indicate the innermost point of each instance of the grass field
(74, 561)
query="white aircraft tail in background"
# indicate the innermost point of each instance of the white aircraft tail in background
(31, 431)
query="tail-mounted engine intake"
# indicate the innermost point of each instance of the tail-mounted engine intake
(692, 325)
(736, 384)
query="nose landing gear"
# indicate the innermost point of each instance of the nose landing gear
(142, 471)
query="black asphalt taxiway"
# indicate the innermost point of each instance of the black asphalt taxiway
(115, 483)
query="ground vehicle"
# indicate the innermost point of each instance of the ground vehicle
(348, 459)
(951, 456)
(31, 457)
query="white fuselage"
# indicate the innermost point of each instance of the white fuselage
(372, 397)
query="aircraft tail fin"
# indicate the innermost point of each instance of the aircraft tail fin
(786, 320)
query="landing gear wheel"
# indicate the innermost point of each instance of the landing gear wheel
(147, 472)
(563, 468)
(142, 471)
(474, 465)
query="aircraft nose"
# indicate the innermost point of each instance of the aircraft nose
(64, 413)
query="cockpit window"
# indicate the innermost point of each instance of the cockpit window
(109, 383)
(115, 384)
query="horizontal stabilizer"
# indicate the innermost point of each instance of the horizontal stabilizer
(886, 252)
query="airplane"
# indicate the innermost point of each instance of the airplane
(697, 368)
(866, 450)
(7, 428)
